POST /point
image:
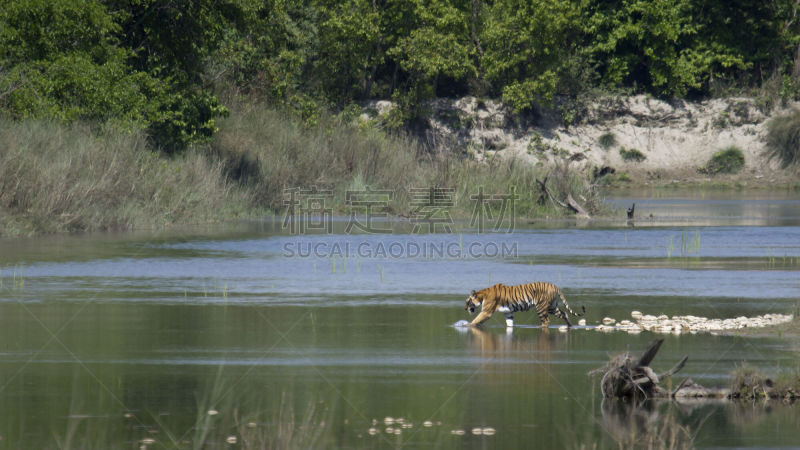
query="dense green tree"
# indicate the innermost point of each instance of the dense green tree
(350, 49)
(60, 59)
(159, 64)
(137, 63)
(525, 46)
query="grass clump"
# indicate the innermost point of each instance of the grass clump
(632, 155)
(607, 140)
(783, 138)
(748, 383)
(729, 160)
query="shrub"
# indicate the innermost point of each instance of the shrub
(729, 160)
(607, 140)
(632, 155)
(783, 138)
(748, 382)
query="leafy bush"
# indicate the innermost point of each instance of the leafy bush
(729, 160)
(607, 140)
(632, 154)
(783, 138)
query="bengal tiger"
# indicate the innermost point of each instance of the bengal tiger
(510, 299)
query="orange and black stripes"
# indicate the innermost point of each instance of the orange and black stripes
(542, 296)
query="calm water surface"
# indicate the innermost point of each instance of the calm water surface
(114, 340)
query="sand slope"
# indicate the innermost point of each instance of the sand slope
(676, 138)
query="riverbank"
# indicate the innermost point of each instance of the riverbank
(84, 177)
(81, 177)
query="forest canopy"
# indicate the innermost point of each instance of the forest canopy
(163, 65)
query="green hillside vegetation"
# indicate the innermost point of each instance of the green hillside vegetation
(245, 98)
(160, 65)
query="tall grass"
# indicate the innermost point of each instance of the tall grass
(72, 178)
(56, 177)
(268, 152)
(783, 138)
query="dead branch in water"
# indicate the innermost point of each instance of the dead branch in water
(570, 204)
(626, 377)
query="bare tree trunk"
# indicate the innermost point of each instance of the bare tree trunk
(374, 70)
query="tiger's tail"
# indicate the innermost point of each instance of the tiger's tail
(566, 305)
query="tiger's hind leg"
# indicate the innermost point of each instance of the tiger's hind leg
(509, 319)
(560, 313)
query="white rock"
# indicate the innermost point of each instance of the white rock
(582, 322)
(636, 315)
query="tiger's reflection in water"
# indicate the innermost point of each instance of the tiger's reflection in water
(517, 356)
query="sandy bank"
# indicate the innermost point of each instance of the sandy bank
(676, 138)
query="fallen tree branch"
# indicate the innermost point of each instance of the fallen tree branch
(571, 204)
(627, 377)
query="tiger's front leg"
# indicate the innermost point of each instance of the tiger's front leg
(509, 319)
(482, 317)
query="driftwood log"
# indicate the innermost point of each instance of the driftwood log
(628, 377)
(570, 204)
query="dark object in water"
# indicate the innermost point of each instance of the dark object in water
(626, 377)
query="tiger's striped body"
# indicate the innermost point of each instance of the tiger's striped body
(544, 297)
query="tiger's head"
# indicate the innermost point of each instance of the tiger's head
(473, 301)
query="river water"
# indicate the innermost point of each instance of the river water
(201, 337)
